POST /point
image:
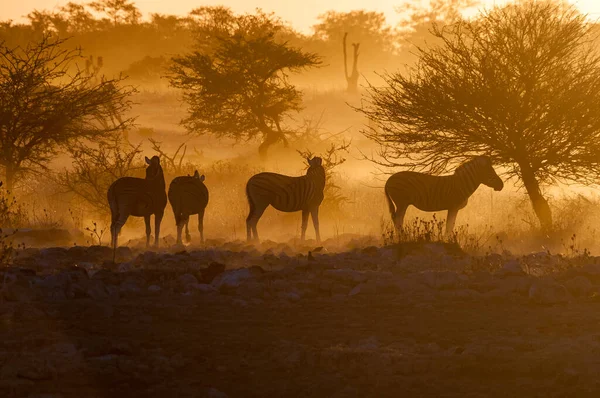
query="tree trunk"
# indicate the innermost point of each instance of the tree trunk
(351, 79)
(539, 203)
(10, 178)
(271, 138)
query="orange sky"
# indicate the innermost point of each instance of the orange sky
(300, 13)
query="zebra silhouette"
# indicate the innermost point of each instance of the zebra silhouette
(188, 195)
(288, 194)
(138, 197)
(436, 193)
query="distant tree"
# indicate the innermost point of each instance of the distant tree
(415, 28)
(96, 166)
(520, 83)
(78, 18)
(240, 88)
(118, 11)
(367, 27)
(47, 103)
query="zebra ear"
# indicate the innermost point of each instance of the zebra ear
(147, 160)
(196, 174)
(202, 178)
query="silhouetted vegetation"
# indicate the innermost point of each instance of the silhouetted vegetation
(520, 83)
(48, 103)
(240, 88)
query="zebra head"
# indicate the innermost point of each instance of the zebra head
(316, 171)
(198, 176)
(154, 170)
(487, 173)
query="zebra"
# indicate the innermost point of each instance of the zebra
(287, 194)
(436, 193)
(188, 195)
(138, 197)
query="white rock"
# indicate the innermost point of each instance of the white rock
(348, 276)
(232, 279)
(510, 268)
(548, 292)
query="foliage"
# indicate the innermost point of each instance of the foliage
(117, 11)
(332, 158)
(12, 214)
(240, 89)
(95, 167)
(172, 164)
(520, 83)
(46, 103)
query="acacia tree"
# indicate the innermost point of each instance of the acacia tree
(239, 86)
(118, 11)
(520, 83)
(47, 103)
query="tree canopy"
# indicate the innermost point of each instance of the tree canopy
(47, 102)
(239, 87)
(520, 83)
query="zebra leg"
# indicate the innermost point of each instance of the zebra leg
(148, 230)
(451, 220)
(304, 224)
(399, 219)
(315, 219)
(117, 223)
(179, 225)
(188, 237)
(256, 213)
(157, 220)
(201, 224)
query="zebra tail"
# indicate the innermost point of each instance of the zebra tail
(390, 202)
(250, 202)
(114, 212)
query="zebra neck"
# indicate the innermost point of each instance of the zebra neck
(468, 184)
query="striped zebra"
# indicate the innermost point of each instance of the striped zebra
(138, 197)
(188, 195)
(286, 194)
(436, 193)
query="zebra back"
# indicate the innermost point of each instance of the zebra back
(287, 193)
(436, 193)
(143, 196)
(188, 194)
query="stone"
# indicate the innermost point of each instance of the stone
(579, 286)
(203, 288)
(347, 276)
(230, 280)
(209, 273)
(186, 280)
(154, 289)
(440, 279)
(548, 292)
(510, 268)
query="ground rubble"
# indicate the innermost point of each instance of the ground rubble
(83, 288)
(281, 273)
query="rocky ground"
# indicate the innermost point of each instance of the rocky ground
(354, 320)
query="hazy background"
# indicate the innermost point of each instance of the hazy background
(491, 219)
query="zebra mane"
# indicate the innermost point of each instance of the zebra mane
(469, 163)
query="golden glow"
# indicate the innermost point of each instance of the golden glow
(301, 14)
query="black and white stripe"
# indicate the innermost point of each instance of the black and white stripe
(138, 197)
(436, 193)
(188, 195)
(286, 194)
